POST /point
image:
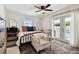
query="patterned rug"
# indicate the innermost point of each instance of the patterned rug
(29, 49)
(57, 47)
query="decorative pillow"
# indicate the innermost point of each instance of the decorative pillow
(24, 28)
(34, 28)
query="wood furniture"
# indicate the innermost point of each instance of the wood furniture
(11, 39)
(11, 36)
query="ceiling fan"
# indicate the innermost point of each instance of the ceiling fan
(43, 8)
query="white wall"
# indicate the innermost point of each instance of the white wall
(2, 11)
(46, 22)
(18, 17)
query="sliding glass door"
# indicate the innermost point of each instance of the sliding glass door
(67, 27)
(57, 28)
(62, 28)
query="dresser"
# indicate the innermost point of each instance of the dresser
(12, 36)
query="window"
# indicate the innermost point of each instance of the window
(62, 28)
(57, 28)
(13, 23)
(67, 29)
(27, 22)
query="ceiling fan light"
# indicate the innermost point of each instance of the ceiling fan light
(42, 11)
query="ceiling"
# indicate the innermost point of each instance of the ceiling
(29, 9)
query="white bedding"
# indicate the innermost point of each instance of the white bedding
(22, 34)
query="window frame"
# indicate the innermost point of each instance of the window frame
(27, 22)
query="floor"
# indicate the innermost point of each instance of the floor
(13, 50)
(63, 48)
(29, 49)
(57, 47)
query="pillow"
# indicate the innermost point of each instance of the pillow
(28, 28)
(24, 28)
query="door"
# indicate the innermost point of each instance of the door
(67, 28)
(2, 36)
(62, 28)
(57, 28)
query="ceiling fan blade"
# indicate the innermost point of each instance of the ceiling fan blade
(38, 10)
(48, 10)
(48, 5)
(38, 7)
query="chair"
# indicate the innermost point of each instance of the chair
(40, 41)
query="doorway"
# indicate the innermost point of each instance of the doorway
(62, 28)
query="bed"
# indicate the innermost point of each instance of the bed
(24, 37)
(29, 36)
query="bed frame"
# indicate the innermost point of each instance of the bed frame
(29, 36)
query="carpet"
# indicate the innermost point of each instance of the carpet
(57, 47)
(29, 49)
